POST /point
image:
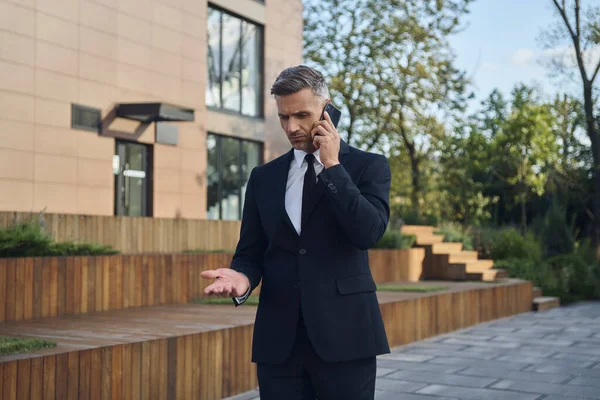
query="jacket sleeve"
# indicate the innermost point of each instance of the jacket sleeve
(249, 253)
(361, 209)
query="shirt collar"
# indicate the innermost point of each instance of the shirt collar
(300, 154)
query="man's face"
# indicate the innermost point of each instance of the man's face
(297, 114)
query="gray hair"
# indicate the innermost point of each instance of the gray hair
(293, 79)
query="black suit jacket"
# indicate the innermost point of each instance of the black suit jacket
(323, 272)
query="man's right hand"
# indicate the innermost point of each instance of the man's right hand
(229, 283)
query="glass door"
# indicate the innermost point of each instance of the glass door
(132, 179)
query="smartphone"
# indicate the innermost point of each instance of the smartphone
(334, 113)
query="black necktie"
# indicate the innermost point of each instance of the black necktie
(310, 181)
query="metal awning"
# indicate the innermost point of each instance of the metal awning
(154, 112)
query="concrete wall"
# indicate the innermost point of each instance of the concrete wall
(101, 52)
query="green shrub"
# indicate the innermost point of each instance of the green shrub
(557, 235)
(395, 240)
(456, 233)
(511, 244)
(12, 345)
(28, 239)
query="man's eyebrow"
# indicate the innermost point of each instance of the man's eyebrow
(295, 114)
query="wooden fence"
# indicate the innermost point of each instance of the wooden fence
(216, 364)
(132, 235)
(32, 288)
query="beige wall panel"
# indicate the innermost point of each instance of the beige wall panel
(134, 78)
(55, 197)
(16, 77)
(55, 86)
(51, 112)
(166, 62)
(167, 16)
(195, 7)
(30, 4)
(98, 69)
(93, 146)
(192, 95)
(167, 157)
(193, 25)
(166, 39)
(17, 48)
(57, 31)
(98, 95)
(191, 160)
(194, 48)
(194, 71)
(99, 17)
(16, 195)
(96, 173)
(66, 9)
(134, 28)
(139, 8)
(16, 165)
(165, 88)
(114, 4)
(135, 54)
(17, 135)
(99, 44)
(56, 58)
(193, 206)
(194, 182)
(56, 141)
(167, 205)
(17, 107)
(192, 136)
(17, 19)
(55, 169)
(167, 180)
(95, 201)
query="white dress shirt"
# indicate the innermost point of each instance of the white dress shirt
(295, 184)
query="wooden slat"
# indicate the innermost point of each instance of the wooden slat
(11, 283)
(136, 375)
(70, 286)
(9, 384)
(23, 379)
(73, 376)
(3, 294)
(117, 370)
(107, 373)
(37, 378)
(141, 276)
(28, 288)
(49, 388)
(127, 372)
(128, 281)
(172, 368)
(20, 289)
(163, 385)
(146, 351)
(61, 286)
(85, 374)
(84, 293)
(62, 376)
(96, 374)
(37, 288)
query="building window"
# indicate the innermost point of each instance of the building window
(230, 162)
(235, 49)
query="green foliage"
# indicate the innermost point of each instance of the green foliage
(28, 239)
(557, 235)
(456, 233)
(390, 287)
(251, 301)
(395, 240)
(12, 345)
(511, 244)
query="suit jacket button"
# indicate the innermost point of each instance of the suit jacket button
(302, 252)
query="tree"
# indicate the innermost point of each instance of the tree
(582, 32)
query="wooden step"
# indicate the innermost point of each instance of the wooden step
(424, 240)
(446, 248)
(417, 230)
(463, 256)
(488, 276)
(479, 265)
(537, 292)
(545, 303)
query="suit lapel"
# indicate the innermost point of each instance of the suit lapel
(320, 188)
(280, 183)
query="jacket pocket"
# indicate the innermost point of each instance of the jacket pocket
(356, 284)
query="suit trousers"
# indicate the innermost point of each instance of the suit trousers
(304, 376)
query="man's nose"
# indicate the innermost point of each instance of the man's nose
(292, 126)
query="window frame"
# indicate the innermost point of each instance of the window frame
(260, 97)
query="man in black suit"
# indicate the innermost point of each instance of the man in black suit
(309, 218)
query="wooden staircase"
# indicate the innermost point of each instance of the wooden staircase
(448, 261)
(543, 303)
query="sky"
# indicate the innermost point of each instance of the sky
(499, 46)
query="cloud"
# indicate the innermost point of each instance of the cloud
(489, 67)
(522, 57)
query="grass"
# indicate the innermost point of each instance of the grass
(12, 345)
(251, 301)
(410, 288)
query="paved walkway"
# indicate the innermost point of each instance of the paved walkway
(549, 355)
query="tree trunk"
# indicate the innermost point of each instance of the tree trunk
(595, 141)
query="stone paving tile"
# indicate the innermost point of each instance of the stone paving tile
(563, 362)
(496, 343)
(457, 361)
(408, 366)
(565, 398)
(586, 381)
(410, 357)
(554, 369)
(385, 395)
(476, 353)
(515, 375)
(548, 388)
(445, 379)
(384, 371)
(575, 357)
(476, 394)
(393, 385)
